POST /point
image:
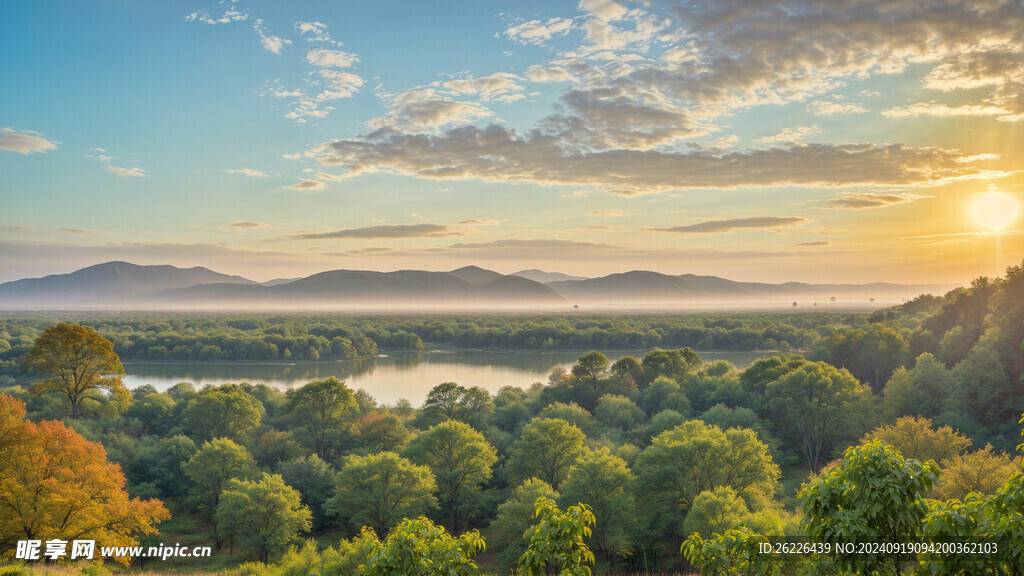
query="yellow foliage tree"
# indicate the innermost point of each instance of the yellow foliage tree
(78, 361)
(54, 484)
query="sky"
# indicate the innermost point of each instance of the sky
(805, 140)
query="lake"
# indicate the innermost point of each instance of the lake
(408, 375)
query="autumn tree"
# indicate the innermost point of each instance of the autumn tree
(79, 362)
(547, 449)
(381, 489)
(56, 485)
(916, 438)
(266, 513)
(982, 472)
(461, 460)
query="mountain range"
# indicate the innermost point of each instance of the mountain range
(115, 285)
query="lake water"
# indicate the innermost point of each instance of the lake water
(388, 379)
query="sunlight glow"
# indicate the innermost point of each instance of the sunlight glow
(995, 210)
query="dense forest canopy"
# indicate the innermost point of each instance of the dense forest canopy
(917, 405)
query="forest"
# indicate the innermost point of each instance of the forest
(898, 431)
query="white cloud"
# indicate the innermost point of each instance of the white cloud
(538, 33)
(539, 73)
(936, 109)
(307, 184)
(331, 58)
(612, 213)
(827, 108)
(122, 171)
(25, 141)
(246, 172)
(606, 10)
(792, 135)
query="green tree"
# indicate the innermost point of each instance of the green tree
(982, 472)
(221, 412)
(601, 481)
(314, 479)
(715, 511)
(514, 518)
(267, 513)
(618, 412)
(547, 449)
(872, 495)
(450, 401)
(923, 390)
(317, 410)
(735, 553)
(590, 367)
(209, 470)
(557, 541)
(417, 547)
(461, 460)
(814, 406)
(79, 362)
(381, 489)
(689, 459)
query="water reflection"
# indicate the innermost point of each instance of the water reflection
(407, 375)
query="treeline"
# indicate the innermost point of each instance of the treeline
(262, 337)
(956, 359)
(658, 448)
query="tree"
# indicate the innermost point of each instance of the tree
(314, 479)
(461, 460)
(814, 406)
(381, 489)
(557, 541)
(79, 362)
(923, 390)
(56, 485)
(418, 547)
(601, 480)
(546, 449)
(267, 513)
(689, 459)
(217, 462)
(590, 367)
(514, 518)
(872, 495)
(982, 472)
(221, 412)
(318, 409)
(737, 552)
(915, 438)
(449, 401)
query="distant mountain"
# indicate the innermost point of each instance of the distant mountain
(278, 281)
(111, 282)
(640, 286)
(123, 285)
(545, 277)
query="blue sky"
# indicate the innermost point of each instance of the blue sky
(854, 142)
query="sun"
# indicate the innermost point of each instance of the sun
(995, 210)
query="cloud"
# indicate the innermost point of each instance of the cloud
(386, 231)
(538, 33)
(539, 73)
(425, 110)
(273, 43)
(479, 222)
(246, 225)
(860, 201)
(603, 9)
(501, 87)
(331, 58)
(246, 172)
(792, 135)
(943, 110)
(826, 108)
(24, 141)
(79, 231)
(816, 243)
(121, 171)
(230, 15)
(314, 31)
(307, 185)
(607, 213)
(719, 226)
(498, 154)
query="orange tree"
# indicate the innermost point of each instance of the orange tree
(79, 361)
(54, 484)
